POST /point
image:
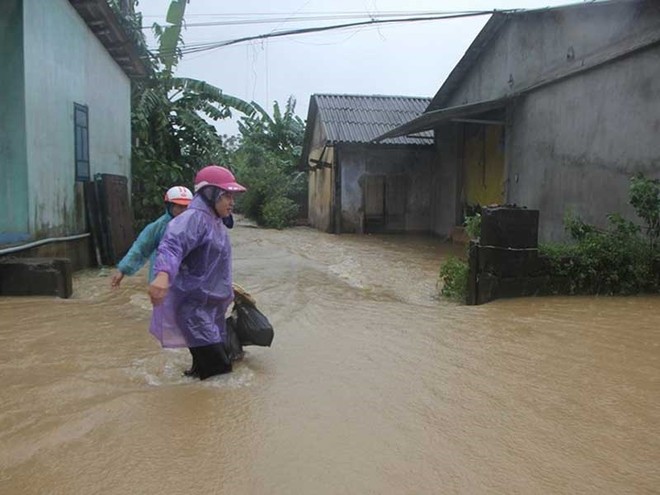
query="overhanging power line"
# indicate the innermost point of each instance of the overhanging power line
(206, 46)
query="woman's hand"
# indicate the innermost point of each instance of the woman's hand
(158, 288)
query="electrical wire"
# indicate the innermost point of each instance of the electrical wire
(206, 46)
(318, 17)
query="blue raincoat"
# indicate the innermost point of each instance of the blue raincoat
(196, 254)
(144, 248)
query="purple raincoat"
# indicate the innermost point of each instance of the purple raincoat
(196, 254)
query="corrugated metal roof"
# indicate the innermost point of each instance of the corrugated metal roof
(362, 118)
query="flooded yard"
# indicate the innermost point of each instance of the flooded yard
(373, 385)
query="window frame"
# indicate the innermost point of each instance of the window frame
(81, 143)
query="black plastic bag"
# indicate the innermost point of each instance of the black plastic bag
(233, 344)
(252, 327)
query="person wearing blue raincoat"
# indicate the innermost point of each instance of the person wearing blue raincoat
(177, 199)
(144, 248)
(192, 289)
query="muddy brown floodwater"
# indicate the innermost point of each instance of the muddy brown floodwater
(372, 386)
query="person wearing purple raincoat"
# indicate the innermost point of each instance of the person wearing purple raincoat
(192, 289)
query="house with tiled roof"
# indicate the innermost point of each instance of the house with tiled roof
(356, 185)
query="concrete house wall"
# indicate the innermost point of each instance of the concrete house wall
(66, 64)
(13, 151)
(445, 198)
(53, 61)
(321, 182)
(574, 146)
(412, 165)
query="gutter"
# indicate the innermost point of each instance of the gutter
(50, 240)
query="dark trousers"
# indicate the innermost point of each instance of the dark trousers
(216, 359)
(209, 360)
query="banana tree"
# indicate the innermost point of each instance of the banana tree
(169, 37)
(266, 159)
(173, 134)
(172, 122)
(282, 133)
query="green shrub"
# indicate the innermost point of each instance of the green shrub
(620, 259)
(616, 260)
(279, 212)
(473, 226)
(453, 279)
(645, 198)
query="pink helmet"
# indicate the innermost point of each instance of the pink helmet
(179, 195)
(214, 175)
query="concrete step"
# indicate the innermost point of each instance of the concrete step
(36, 277)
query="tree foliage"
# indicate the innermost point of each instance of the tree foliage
(173, 134)
(170, 40)
(266, 161)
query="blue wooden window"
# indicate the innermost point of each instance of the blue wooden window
(81, 129)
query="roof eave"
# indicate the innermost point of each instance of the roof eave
(432, 119)
(102, 21)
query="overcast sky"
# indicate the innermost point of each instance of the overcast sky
(410, 59)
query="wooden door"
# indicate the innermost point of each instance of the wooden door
(374, 203)
(484, 165)
(396, 191)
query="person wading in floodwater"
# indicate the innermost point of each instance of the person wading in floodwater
(177, 199)
(192, 288)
